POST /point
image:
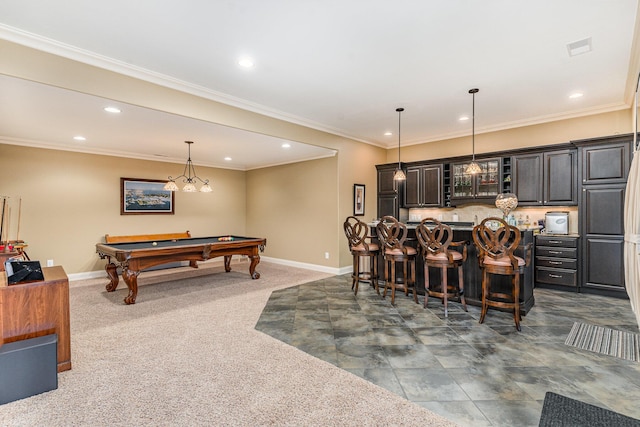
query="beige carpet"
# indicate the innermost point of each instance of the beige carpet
(187, 354)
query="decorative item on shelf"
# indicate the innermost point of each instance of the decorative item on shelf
(190, 178)
(473, 167)
(506, 202)
(399, 175)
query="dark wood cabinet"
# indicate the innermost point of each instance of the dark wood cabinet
(35, 309)
(423, 187)
(479, 188)
(560, 178)
(527, 178)
(557, 261)
(390, 192)
(606, 163)
(604, 171)
(546, 179)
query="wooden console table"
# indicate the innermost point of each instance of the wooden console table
(34, 309)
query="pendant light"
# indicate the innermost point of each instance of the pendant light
(399, 175)
(190, 178)
(473, 167)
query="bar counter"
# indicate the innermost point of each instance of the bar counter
(471, 269)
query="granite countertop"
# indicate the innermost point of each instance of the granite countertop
(462, 226)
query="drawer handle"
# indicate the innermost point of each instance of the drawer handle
(555, 262)
(555, 276)
(555, 252)
(555, 241)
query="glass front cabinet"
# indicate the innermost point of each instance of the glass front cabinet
(484, 186)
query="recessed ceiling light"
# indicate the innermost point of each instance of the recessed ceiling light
(388, 134)
(245, 62)
(79, 138)
(228, 159)
(286, 145)
(463, 118)
(576, 95)
(114, 110)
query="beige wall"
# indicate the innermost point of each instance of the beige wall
(558, 132)
(71, 200)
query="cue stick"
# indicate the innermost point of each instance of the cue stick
(19, 214)
(4, 204)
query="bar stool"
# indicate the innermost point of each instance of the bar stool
(496, 247)
(393, 234)
(357, 233)
(435, 239)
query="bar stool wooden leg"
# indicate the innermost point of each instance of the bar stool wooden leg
(461, 287)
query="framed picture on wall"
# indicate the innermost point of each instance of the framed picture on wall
(358, 199)
(145, 196)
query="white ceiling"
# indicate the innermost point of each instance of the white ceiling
(340, 66)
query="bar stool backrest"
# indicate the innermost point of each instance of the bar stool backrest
(392, 233)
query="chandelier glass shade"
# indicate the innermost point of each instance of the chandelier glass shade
(473, 168)
(399, 175)
(189, 178)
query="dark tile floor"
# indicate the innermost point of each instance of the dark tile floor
(473, 374)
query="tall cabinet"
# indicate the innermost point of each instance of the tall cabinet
(390, 193)
(603, 177)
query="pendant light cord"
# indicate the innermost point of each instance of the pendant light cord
(399, 110)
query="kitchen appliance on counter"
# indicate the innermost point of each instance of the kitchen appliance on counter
(557, 222)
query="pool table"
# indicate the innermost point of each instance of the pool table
(133, 257)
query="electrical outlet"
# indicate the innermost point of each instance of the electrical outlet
(49, 263)
(326, 255)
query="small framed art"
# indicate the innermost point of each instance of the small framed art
(358, 199)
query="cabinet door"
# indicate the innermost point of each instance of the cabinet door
(412, 197)
(602, 225)
(603, 264)
(432, 186)
(527, 179)
(386, 184)
(388, 205)
(485, 185)
(605, 164)
(561, 178)
(603, 211)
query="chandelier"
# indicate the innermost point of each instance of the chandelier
(473, 167)
(190, 178)
(399, 175)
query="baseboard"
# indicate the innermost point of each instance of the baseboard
(314, 267)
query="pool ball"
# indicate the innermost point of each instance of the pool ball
(154, 244)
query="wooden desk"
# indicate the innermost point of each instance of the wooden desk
(4, 256)
(39, 308)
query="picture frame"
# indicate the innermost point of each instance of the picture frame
(140, 196)
(358, 199)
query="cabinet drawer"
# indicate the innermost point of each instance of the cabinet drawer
(556, 252)
(555, 241)
(556, 276)
(565, 263)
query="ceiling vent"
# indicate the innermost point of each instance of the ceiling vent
(579, 47)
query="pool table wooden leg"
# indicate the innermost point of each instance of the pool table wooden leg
(131, 279)
(255, 259)
(227, 263)
(112, 272)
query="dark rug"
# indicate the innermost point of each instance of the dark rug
(561, 411)
(599, 339)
